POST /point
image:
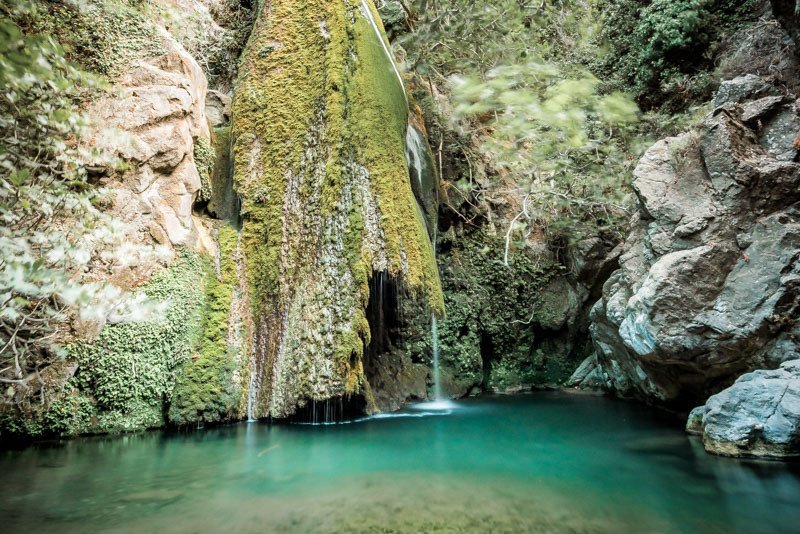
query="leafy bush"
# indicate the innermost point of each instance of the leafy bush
(205, 389)
(663, 50)
(129, 371)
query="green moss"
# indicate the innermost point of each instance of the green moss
(377, 131)
(205, 389)
(319, 124)
(129, 371)
(281, 84)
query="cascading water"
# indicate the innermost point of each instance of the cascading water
(251, 394)
(415, 150)
(437, 376)
(389, 54)
(252, 388)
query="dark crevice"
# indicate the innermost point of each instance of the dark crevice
(382, 315)
(335, 410)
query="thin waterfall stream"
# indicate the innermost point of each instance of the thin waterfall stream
(380, 38)
(437, 375)
(418, 160)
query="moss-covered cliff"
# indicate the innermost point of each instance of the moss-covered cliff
(319, 124)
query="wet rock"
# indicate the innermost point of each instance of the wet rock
(694, 423)
(394, 380)
(708, 281)
(759, 415)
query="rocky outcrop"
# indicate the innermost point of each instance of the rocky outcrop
(319, 127)
(709, 278)
(151, 123)
(759, 415)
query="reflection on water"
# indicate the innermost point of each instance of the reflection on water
(539, 463)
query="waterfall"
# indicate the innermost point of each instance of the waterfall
(415, 149)
(251, 386)
(251, 394)
(418, 159)
(437, 378)
(379, 35)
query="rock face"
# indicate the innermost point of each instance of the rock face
(152, 124)
(516, 327)
(709, 279)
(319, 126)
(759, 415)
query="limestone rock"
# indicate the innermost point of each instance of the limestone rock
(218, 108)
(708, 285)
(151, 122)
(759, 415)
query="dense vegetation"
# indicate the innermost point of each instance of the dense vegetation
(537, 112)
(534, 95)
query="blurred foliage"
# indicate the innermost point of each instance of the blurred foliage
(537, 92)
(532, 114)
(51, 231)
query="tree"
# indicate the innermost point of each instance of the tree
(516, 86)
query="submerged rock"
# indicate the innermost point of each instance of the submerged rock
(694, 423)
(759, 415)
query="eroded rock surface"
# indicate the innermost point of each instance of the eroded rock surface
(759, 415)
(151, 122)
(709, 278)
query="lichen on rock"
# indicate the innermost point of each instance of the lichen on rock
(319, 124)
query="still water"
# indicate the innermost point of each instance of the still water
(537, 463)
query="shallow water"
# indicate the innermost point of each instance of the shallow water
(537, 463)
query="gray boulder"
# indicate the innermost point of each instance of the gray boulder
(708, 285)
(759, 415)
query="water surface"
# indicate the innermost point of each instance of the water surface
(537, 463)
